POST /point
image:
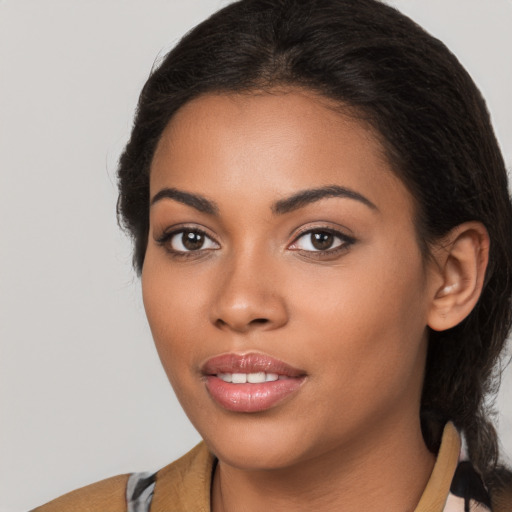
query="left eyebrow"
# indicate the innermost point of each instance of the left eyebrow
(305, 197)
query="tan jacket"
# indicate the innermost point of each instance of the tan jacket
(184, 486)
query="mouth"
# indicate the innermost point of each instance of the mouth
(251, 378)
(250, 382)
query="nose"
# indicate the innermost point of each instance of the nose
(249, 297)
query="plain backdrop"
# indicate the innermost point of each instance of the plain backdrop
(82, 394)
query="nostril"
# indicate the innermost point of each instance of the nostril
(220, 322)
(259, 321)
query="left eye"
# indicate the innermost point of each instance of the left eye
(319, 240)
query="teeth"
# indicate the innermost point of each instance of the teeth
(256, 378)
(239, 378)
(252, 378)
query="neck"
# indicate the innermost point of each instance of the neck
(386, 470)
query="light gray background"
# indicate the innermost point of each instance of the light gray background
(82, 394)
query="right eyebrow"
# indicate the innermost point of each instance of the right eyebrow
(196, 201)
(308, 196)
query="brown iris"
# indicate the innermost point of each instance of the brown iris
(192, 240)
(322, 240)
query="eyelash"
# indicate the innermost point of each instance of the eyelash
(346, 241)
(165, 241)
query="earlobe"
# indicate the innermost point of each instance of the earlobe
(461, 261)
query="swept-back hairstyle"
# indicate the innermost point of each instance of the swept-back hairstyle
(431, 120)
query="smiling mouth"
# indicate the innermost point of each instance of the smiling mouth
(251, 378)
(250, 382)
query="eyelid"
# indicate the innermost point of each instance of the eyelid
(178, 228)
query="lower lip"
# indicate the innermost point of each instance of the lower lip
(251, 397)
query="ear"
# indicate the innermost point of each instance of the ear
(461, 260)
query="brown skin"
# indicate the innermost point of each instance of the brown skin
(354, 318)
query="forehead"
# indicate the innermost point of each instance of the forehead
(271, 142)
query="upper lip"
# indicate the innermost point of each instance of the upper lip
(249, 363)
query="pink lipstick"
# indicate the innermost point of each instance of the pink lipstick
(250, 382)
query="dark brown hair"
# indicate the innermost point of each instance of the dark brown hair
(433, 124)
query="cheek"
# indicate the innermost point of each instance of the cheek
(169, 309)
(372, 288)
(174, 312)
(367, 323)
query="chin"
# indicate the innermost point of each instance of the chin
(255, 457)
(255, 445)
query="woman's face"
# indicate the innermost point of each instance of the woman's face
(282, 246)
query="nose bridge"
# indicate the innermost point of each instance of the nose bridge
(249, 293)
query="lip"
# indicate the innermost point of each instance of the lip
(250, 397)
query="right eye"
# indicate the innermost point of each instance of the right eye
(187, 240)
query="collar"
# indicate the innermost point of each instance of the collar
(186, 483)
(436, 492)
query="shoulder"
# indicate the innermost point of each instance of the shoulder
(185, 484)
(182, 485)
(109, 494)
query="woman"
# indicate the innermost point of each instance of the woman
(322, 226)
